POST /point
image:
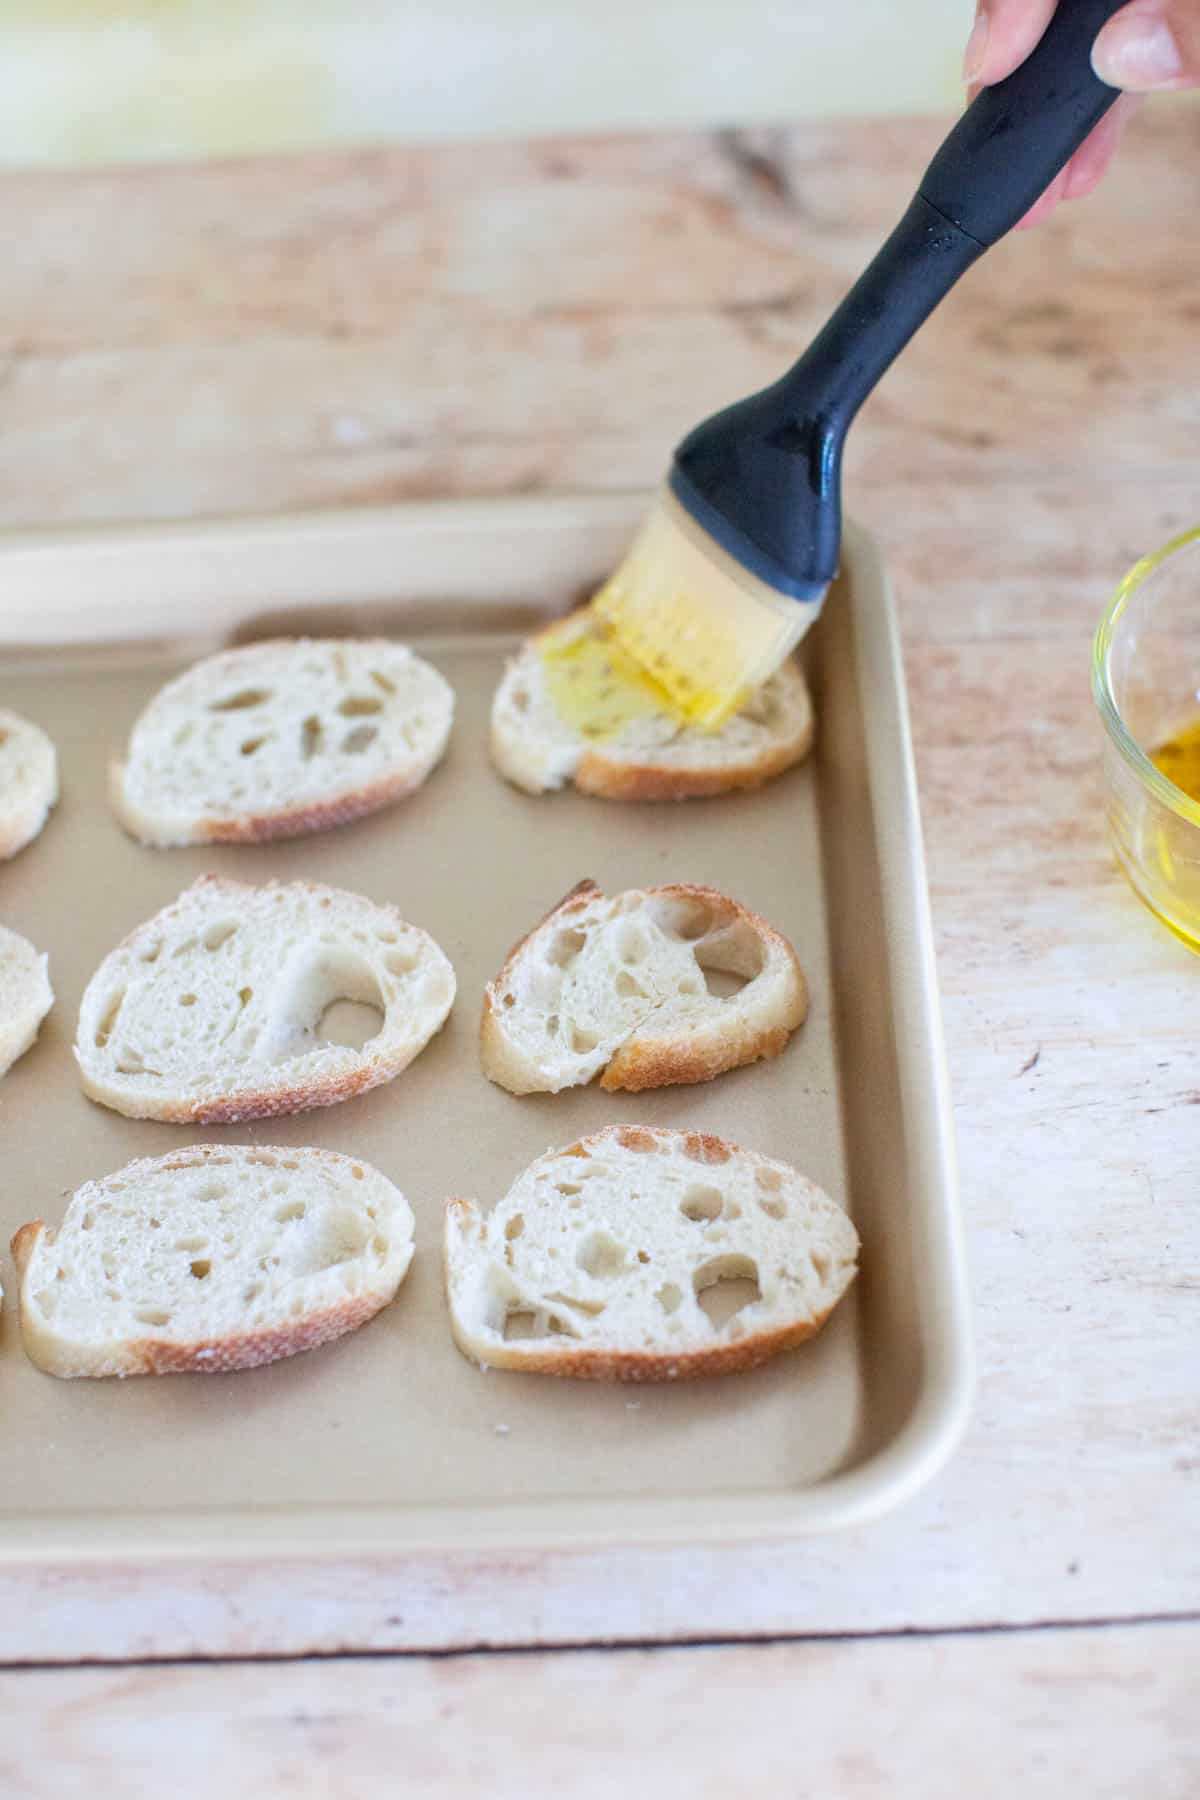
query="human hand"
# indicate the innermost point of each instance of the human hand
(1149, 46)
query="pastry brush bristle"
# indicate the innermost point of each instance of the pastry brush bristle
(704, 628)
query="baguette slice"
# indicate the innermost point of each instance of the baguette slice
(28, 781)
(618, 985)
(211, 1258)
(603, 1251)
(210, 1012)
(25, 996)
(277, 739)
(651, 757)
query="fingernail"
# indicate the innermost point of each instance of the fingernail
(1137, 53)
(975, 54)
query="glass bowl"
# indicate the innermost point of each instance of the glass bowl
(1146, 683)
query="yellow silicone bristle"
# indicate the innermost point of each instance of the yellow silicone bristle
(706, 630)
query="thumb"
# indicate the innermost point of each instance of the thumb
(1150, 45)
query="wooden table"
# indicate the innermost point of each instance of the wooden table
(383, 325)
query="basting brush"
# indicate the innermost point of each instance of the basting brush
(731, 567)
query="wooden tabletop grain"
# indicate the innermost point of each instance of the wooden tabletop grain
(547, 317)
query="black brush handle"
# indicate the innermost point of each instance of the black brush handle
(763, 476)
(1015, 137)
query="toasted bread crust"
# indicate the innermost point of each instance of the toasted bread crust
(239, 1108)
(645, 1061)
(265, 828)
(633, 1365)
(204, 1356)
(24, 1243)
(637, 1067)
(607, 779)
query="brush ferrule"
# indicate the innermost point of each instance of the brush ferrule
(739, 546)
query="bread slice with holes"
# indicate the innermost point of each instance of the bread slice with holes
(209, 1259)
(25, 996)
(646, 1254)
(629, 988)
(211, 1012)
(277, 739)
(28, 781)
(650, 757)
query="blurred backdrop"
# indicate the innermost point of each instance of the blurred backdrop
(96, 81)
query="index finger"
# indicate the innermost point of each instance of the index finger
(1004, 33)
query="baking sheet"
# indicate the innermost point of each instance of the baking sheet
(390, 1438)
